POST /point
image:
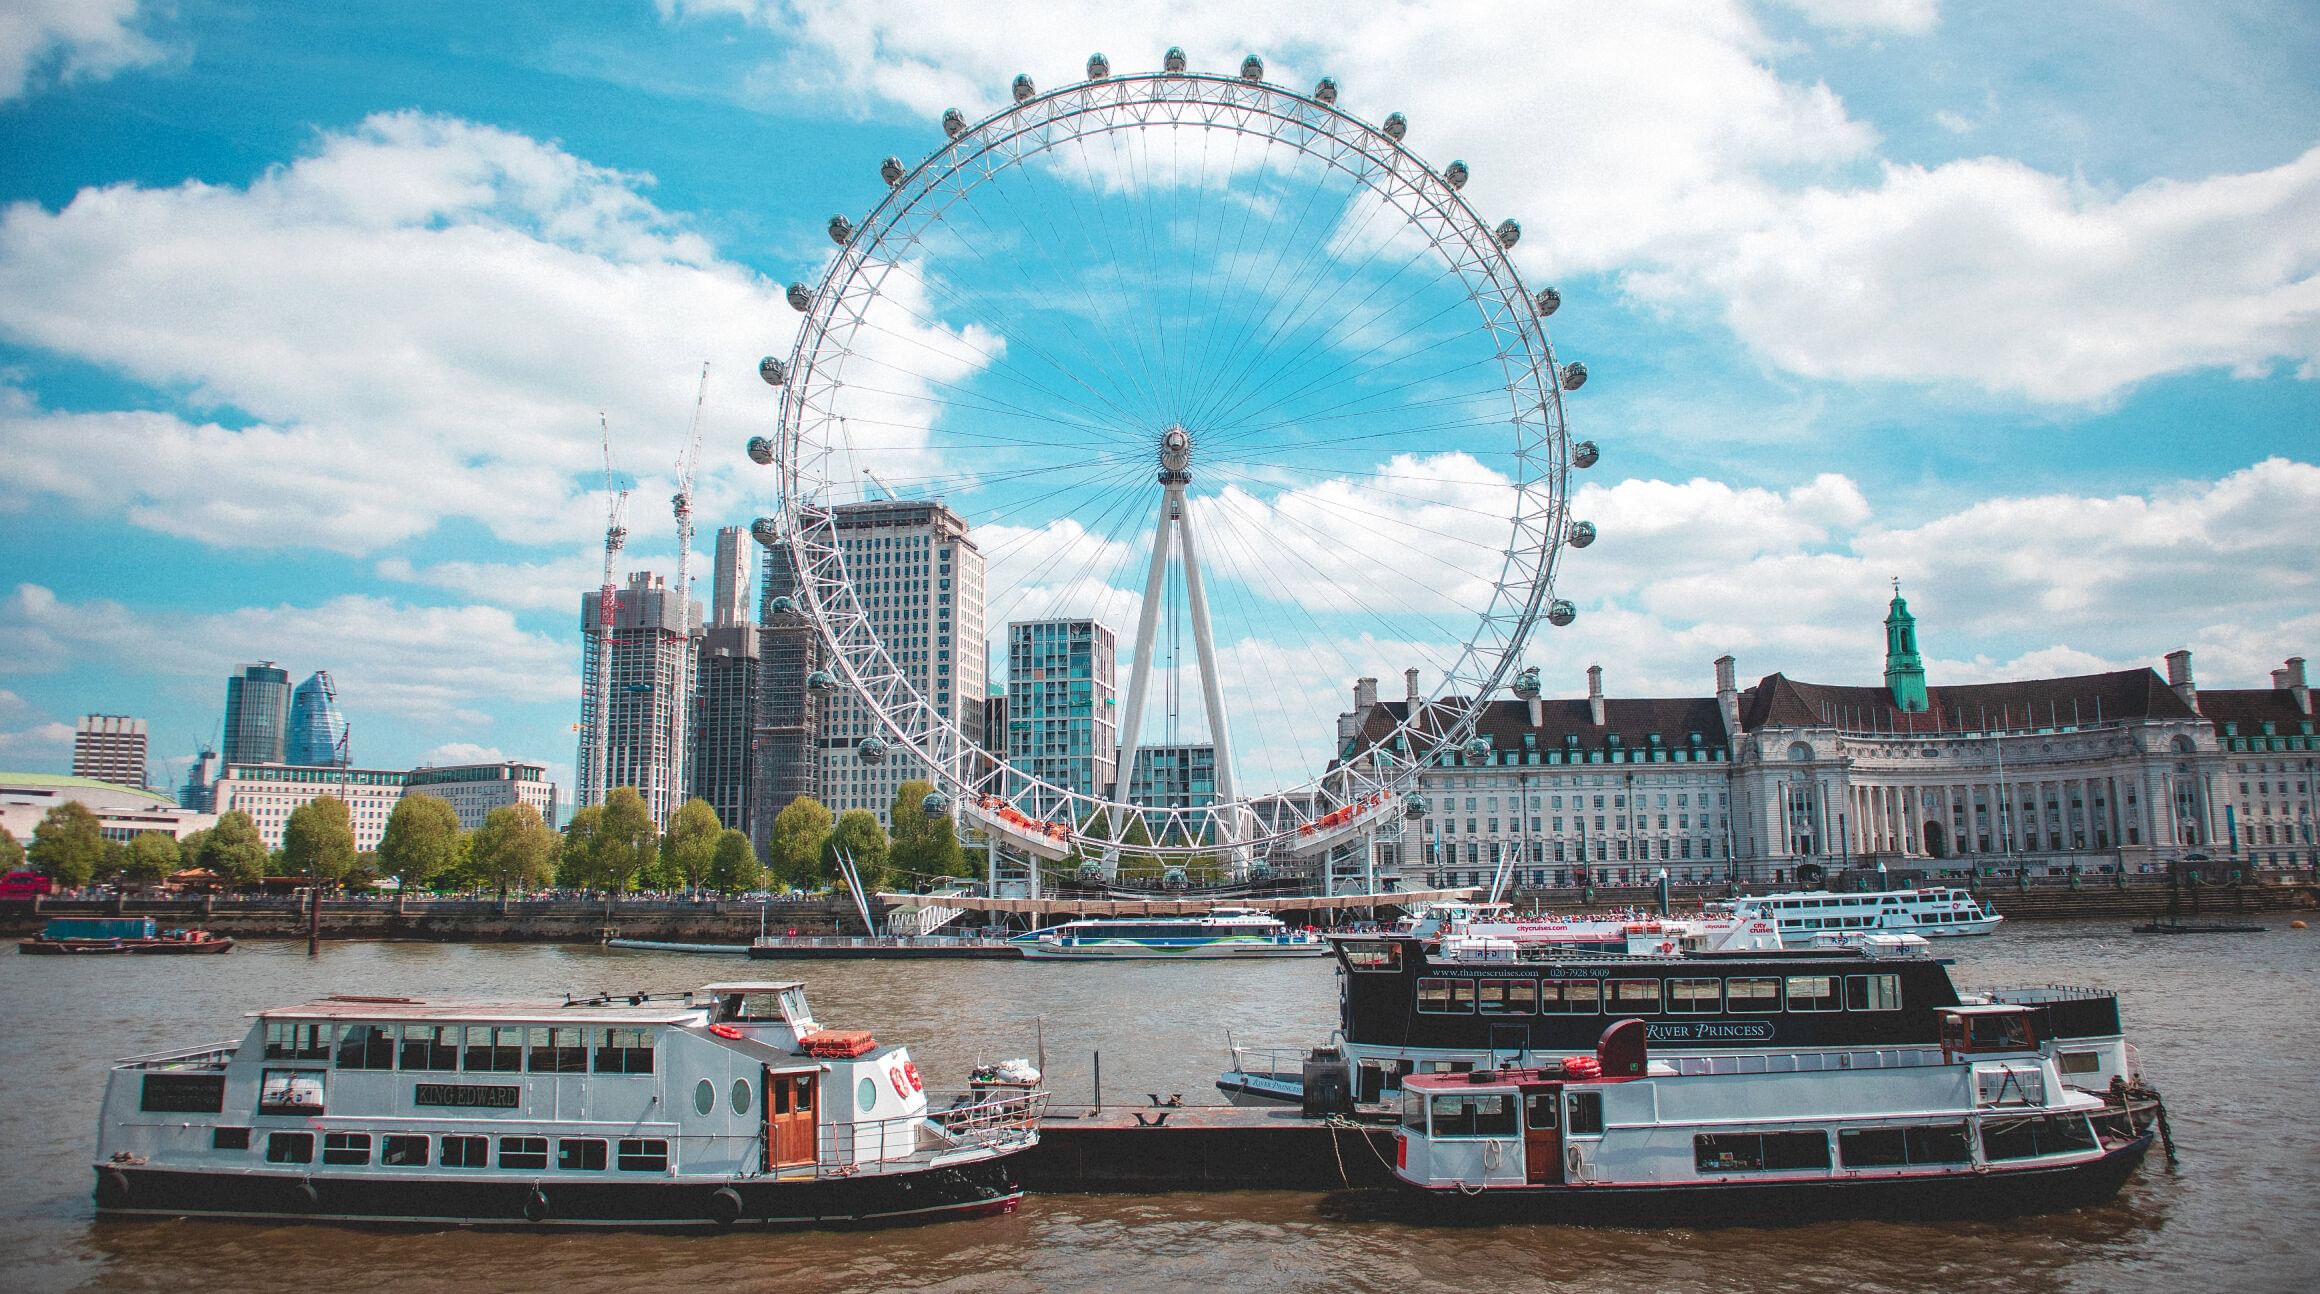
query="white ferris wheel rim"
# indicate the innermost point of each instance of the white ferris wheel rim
(976, 153)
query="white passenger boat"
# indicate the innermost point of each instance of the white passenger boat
(726, 1106)
(1224, 933)
(1984, 1125)
(1802, 916)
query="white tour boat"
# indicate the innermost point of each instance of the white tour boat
(1804, 915)
(1223, 933)
(725, 1106)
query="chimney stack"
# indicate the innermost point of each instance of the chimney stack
(1364, 693)
(1538, 707)
(2297, 688)
(1595, 694)
(1728, 696)
(2179, 678)
(1410, 686)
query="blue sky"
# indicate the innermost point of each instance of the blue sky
(307, 314)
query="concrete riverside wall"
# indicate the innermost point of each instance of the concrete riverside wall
(465, 920)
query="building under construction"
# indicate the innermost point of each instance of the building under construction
(650, 653)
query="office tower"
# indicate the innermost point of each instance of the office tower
(648, 645)
(1063, 703)
(110, 748)
(199, 791)
(732, 577)
(318, 732)
(724, 701)
(257, 715)
(785, 753)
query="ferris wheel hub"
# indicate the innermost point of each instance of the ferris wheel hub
(1175, 456)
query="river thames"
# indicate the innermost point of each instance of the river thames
(2225, 1024)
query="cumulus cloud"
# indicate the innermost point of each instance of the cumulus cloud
(40, 744)
(70, 40)
(1903, 17)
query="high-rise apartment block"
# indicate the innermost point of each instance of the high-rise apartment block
(647, 719)
(725, 687)
(199, 791)
(318, 732)
(1063, 721)
(110, 748)
(732, 577)
(785, 754)
(257, 715)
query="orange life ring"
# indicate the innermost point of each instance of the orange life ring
(901, 1086)
(910, 1071)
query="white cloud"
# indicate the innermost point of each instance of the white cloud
(70, 40)
(432, 665)
(462, 752)
(1902, 17)
(42, 743)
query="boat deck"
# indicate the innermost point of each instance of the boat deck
(1158, 1148)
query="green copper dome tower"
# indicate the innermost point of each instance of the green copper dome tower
(1904, 668)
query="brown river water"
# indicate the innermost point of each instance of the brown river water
(2228, 1026)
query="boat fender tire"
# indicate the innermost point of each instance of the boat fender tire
(536, 1207)
(725, 1206)
(1577, 1164)
(112, 1188)
(306, 1196)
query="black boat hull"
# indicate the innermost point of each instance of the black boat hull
(965, 1190)
(1995, 1194)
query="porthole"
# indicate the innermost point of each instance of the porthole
(705, 1096)
(741, 1096)
(867, 1094)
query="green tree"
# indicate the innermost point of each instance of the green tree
(421, 841)
(318, 840)
(189, 847)
(859, 834)
(689, 846)
(11, 851)
(733, 867)
(626, 842)
(67, 846)
(151, 858)
(513, 849)
(799, 832)
(576, 860)
(923, 846)
(234, 850)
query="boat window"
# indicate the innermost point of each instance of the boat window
(704, 1097)
(1943, 1143)
(494, 1049)
(1696, 996)
(1586, 1114)
(1749, 1152)
(1414, 1110)
(2051, 1134)
(1873, 1147)
(1752, 993)
(433, 1047)
(346, 1147)
(624, 1051)
(1507, 996)
(183, 1094)
(2009, 1032)
(1872, 992)
(743, 1096)
(229, 1139)
(579, 1154)
(558, 1049)
(290, 1091)
(1570, 997)
(403, 1152)
(466, 1152)
(644, 1155)
(297, 1040)
(289, 1147)
(2081, 1062)
(367, 1046)
(1373, 957)
(1446, 996)
(1544, 1107)
(523, 1152)
(1474, 1114)
(1634, 997)
(1812, 993)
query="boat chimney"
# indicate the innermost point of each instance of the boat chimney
(1364, 693)
(2296, 686)
(2179, 678)
(1595, 695)
(1410, 686)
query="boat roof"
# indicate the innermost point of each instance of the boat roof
(624, 1009)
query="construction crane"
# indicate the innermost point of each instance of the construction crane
(883, 487)
(681, 713)
(607, 604)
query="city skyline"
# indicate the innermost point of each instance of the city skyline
(1853, 314)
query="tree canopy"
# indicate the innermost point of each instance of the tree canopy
(513, 850)
(151, 857)
(923, 846)
(576, 859)
(689, 846)
(421, 840)
(67, 846)
(863, 839)
(318, 840)
(234, 850)
(11, 851)
(799, 832)
(733, 867)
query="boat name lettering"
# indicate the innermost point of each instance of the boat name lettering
(1709, 1031)
(468, 1095)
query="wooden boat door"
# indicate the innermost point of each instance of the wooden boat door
(790, 1132)
(1543, 1135)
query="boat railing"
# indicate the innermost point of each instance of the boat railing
(875, 941)
(214, 1056)
(2035, 994)
(953, 1121)
(1793, 1062)
(1269, 1058)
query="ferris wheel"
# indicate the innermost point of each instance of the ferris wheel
(1229, 383)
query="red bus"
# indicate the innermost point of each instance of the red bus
(25, 885)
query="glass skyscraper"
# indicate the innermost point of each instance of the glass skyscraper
(318, 732)
(1062, 703)
(257, 714)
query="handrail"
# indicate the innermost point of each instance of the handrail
(217, 1053)
(973, 1120)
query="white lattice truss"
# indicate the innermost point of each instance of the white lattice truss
(886, 240)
